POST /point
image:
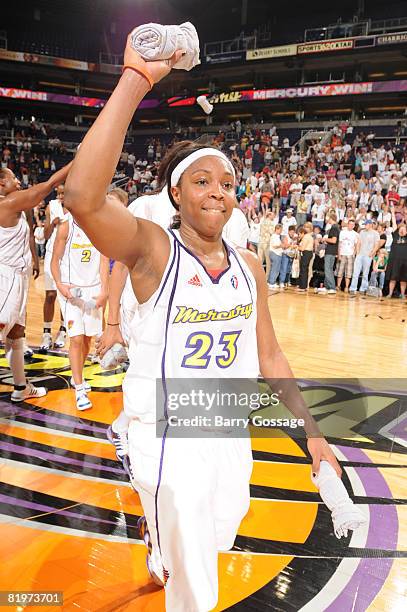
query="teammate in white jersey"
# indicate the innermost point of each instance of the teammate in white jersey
(81, 278)
(54, 216)
(202, 305)
(123, 305)
(15, 267)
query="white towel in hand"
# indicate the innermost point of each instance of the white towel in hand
(345, 515)
(159, 42)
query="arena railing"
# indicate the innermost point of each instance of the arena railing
(110, 58)
(221, 47)
(383, 26)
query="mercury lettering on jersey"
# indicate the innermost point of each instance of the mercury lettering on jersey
(188, 314)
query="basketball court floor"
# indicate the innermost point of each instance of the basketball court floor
(68, 514)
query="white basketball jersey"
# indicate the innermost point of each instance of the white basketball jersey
(159, 209)
(193, 326)
(55, 211)
(80, 264)
(15, 245)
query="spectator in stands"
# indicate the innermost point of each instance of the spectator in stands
(40, 239)
(254, 234)
(306, 248)
(284, 192)
(348, 240)
(267, 192)
(302, 209)
(331, 240)
(288, 221)
(397, 264)
(276, 252)
(378, 274)
(366, 248)
(290, 247)
(267, 226)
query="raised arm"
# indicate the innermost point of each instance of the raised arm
(110, 227)
(393, 219)
(26, 199)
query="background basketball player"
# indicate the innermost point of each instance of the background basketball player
(54, 215)
(15, 267)
(76, 264)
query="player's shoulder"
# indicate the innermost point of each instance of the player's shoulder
(143, 203)
(251, 260)
(238, 215)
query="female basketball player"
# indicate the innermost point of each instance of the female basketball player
(15, 264)
(76, 264)
(194, 492)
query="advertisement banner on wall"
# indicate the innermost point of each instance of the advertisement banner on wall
(35, 58)
(43, 96)
(305, 91)
(271, 52)
(391, 39)
(223, 58)
(325, 46)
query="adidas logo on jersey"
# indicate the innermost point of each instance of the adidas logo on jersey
(195, 281)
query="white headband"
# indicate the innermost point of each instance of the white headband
(190, 159)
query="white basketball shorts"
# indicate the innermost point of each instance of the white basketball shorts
(13, 298)
(80, 321)
(49, 282)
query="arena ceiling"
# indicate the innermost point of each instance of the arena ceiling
(214, 19)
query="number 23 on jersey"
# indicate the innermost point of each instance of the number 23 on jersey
(204, 349)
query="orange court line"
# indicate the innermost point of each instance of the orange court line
(93, 447)
(105, 495)
(106, 406)
(289, 476)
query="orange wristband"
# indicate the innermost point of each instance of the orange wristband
(141, 71)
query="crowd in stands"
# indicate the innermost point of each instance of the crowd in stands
(317, 217)
(33, 152)
(334, 210)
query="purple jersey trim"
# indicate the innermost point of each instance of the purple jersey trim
(167, 275)
(248, 282)
(214, 281)
(164, 383)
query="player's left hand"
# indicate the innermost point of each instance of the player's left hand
(157, 70)
(101, 300)
(110, 336)
(319, 449)
(36, 270)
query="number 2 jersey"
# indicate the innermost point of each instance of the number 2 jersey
(80, 263)
(192, 326)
